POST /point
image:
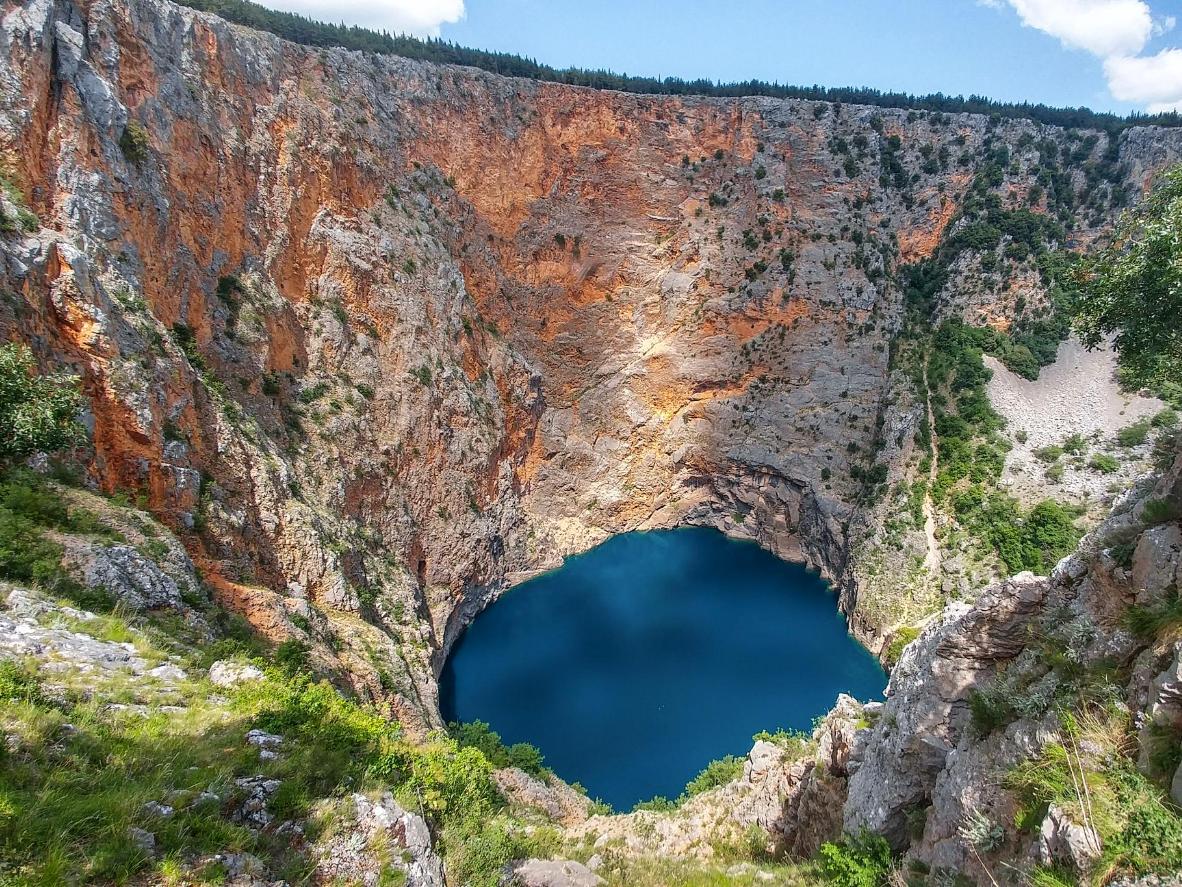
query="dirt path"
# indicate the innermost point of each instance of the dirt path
(931, 560)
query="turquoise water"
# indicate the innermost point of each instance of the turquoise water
(635, 664)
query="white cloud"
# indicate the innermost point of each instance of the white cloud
(1117, 32)
(1101, 27)
(1154, 80)
(419, 17)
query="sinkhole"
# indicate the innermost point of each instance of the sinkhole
(635, 664)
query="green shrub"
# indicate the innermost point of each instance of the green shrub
(291, 656)
(1166, 418)
(1103, 463)
(479, 735)
(37, 413)
(658, 804)
(862, 861)
(478, 848)
(18, 684)
(1159, 511)
(1150, 621)
(1049, 454)
(1133, 288)
(795, 742)
(1033, 541)
(134, 142)
(990, 710)
(1134, 435)
(901, 638)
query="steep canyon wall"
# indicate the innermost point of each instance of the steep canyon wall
(381, 337)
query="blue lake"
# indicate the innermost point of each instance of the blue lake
(635, 664)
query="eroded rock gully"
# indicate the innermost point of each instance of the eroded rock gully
(379, 338)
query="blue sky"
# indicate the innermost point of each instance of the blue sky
(1118, 55)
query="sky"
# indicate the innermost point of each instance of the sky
(1109, 55)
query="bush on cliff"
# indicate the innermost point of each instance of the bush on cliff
(479, 735)
(1133, 289)
(37, 413)
(861, 861)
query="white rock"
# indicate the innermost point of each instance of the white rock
(155, 808)
(263, 739)
(142, 838)
(1061, 839)
(168, 673)
(554, 873)
(225, 673)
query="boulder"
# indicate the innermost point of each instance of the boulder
(225, 673)
(263, 739)
(380, 822)
(1062, 840)
(551, 873)
(143, 839)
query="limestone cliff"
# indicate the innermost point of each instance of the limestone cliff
(378, 338)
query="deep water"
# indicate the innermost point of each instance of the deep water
(635, 664)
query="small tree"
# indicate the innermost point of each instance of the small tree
(1134, 289)
(37, 413)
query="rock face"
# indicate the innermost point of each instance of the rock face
(926, 711)
(551, 797)
(135, 580)
(380, 338)
(349, 857)
(931, 767)
(790, 795)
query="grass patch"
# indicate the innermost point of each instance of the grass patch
(1140, 831)
(1134, 435)
(75, 776)
(899, 640)
(1149, 622)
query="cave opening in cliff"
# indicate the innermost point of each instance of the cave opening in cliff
(635, 664)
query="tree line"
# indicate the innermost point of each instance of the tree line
(301, 29)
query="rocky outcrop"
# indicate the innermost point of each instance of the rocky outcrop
(132, 578)
(382, 837)
(547, 796)
(926, 711)
(230, 674)
(980, 692)
(24, 632)
(790, 795)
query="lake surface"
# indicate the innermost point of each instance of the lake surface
(635, 664)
